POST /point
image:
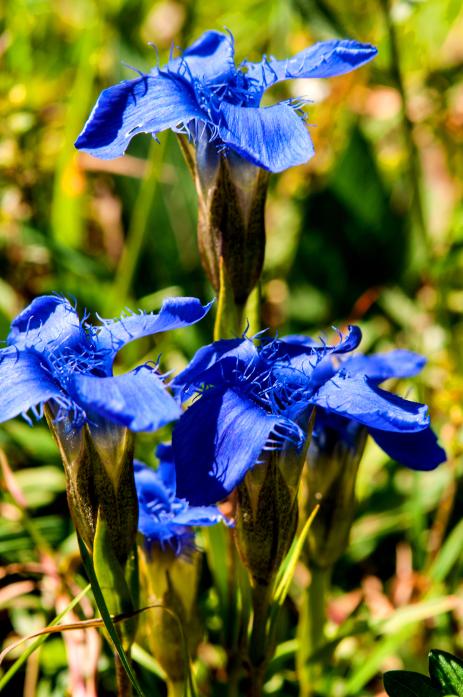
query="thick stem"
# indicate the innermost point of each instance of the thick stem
(124, 686)
(176, 689)
(311, 630)
(258, 643)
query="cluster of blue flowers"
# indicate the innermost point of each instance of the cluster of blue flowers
(249, 397)
(252, 396)
(202, 93)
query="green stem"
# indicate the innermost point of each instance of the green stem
(124, 686)
(414, 169)
(176, 689)
(311, 627)
(258, 643)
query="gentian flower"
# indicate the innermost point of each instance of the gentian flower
(165, 520)
(53, 357)
(203, 93)
(57, 363)
(259, 398)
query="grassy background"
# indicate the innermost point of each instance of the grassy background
(371, 230)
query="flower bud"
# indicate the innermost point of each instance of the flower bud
(98, 464)
(267, 514)
(231, 221)
(331, 473)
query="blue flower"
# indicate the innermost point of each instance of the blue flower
(53, 357)
(204, 94)
(257, 398)
(164, 519)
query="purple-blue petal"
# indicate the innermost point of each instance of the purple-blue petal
(381, 366)
(150, 486)
(323, 59)
(359, 399)
(166, 467)
(25, 383)
(148, 104)
(216, 441)
(419, 451)
(204, 368)
(175, 313)
(138, 399)
(273, 137)
(49, 323)
(201, 516)
(210, 57)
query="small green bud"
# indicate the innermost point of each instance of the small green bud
(330, 479)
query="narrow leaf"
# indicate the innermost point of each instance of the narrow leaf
(106, 617)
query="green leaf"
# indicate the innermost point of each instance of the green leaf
(106, 617)
(447, 671)
(402, 683)
(38, 642)
(286, 572)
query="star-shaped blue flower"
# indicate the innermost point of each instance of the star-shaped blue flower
(204, 94)
(53, 356)
(163, 518)
(256, 398)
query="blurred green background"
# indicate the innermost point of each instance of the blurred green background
(370, 230)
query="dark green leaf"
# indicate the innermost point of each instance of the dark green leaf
(447, 671)
(402, 683)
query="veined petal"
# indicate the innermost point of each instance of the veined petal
(148, 104)
(25, 383)
(137, 399)
(208, 58)
(323, 59)
(381, 366)
(359, 399)
(174, 314)
(419, 451)
(48, 323)
(216, 441)
(204, 368)
(273, 137)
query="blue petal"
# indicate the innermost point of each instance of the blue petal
(420, 450)
(137, 399)
(174, 314)
(148, 104)
(25, 383)
(208, 58)
(323, 59)
(203, 369)
(200, 516)
(359, 399)
(216, 441)
(273, 137)
(149, 485)
(381, 366)
(166, 468)
(47, 324)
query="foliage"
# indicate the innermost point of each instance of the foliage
(370, 230)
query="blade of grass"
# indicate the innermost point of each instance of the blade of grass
(106, 617)
(38, 642)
